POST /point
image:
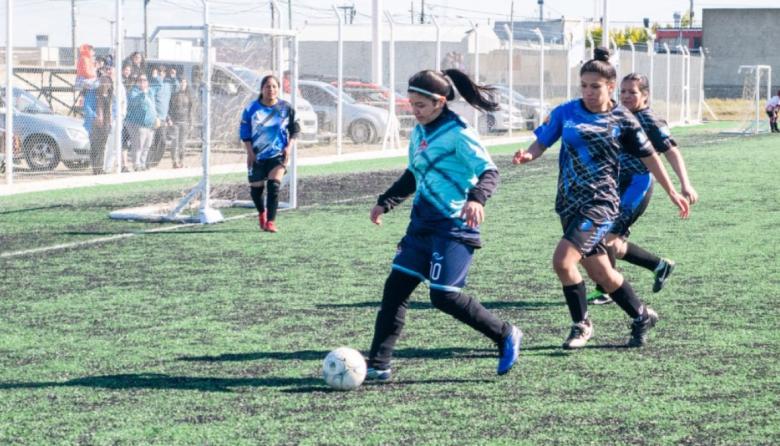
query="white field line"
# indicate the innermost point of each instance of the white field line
(95, 241)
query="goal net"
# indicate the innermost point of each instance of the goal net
(756, 90)
(238, 59)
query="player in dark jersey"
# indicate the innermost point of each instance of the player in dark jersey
(451, 176)
(268, 128)
(636, 185)
(594, 132)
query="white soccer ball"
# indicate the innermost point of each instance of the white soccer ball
(344, 369)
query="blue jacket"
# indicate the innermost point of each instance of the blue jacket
(163, 90)
(141, 108)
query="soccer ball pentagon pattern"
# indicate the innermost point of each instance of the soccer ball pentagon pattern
(344, 369)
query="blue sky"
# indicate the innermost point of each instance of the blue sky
(93, 17)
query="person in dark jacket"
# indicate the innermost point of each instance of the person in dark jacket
(97, 120)
(181, 117)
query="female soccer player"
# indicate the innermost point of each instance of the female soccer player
(268, 127)
(452, 176)
(635, 185)
(594, 133)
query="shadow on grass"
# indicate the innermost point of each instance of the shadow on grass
(422, 305)
(390, 385)
(39, 208)
(163, 381)
(311, 355)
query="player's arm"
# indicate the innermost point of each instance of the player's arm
(675, 158)
(534, 151)
(245, 133)
(474, 210)
(654, 165)
(403, 187)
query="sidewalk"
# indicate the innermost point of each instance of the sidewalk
(195, 172)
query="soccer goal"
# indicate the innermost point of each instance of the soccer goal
(756, 80)
(236, 58)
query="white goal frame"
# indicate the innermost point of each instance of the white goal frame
(757, 70)
(208, 209)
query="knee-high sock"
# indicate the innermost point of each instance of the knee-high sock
(472, 313)
(390, 318)
(256, 192)
(627, 299)
(273, 198)
(577, 301)
(640, 257)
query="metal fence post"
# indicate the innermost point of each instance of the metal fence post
(668, 81)
(510, 78)
(438, 42)
(340, 81)
(539, 34)
(9, 94)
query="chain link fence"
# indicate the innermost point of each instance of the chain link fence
(121, 106)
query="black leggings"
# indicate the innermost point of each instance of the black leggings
(392, 314)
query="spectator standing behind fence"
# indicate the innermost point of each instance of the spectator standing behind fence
(137, 66)
(163, 88)
(181, 116)
(97, 120)
(141, 121)
(196, 96)
(772, 108)
(129, 82)
(117, 124)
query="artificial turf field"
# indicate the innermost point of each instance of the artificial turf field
(215, 334)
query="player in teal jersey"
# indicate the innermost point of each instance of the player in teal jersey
(451, 176)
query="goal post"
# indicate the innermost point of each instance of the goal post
(236, 59)
(753, 79)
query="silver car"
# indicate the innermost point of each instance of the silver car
(363, 123)
(47, 138)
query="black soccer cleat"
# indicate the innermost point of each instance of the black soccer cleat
(662, 272)
(640, 327)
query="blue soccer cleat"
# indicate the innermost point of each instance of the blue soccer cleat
(509, 350)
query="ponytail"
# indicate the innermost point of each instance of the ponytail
(435, 84)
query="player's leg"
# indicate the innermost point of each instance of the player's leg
(449, 265)
(273, 184)
(643, 318)
(256, 178)
(408, 270)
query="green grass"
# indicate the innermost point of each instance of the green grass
(215, 334)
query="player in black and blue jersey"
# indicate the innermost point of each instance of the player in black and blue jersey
(451, 176)
(636, 185)
(594, 131)
(268, 128)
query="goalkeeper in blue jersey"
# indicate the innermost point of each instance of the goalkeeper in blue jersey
(635, 184)
(451, 176)
(268, 129)
(594, 132)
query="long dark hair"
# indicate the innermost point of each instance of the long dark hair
(265, 80)
(600, 65)
(435, 83)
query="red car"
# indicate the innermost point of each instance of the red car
(378, 96)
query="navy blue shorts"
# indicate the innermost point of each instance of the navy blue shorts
(635, 194)
(587, 236)
(260, 169)
(442, 262)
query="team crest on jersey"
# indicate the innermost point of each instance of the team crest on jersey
(423, 145)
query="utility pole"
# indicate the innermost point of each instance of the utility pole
(541, 10)
(422, 12)
(289, 14)
(690, 16)
(73, 30)
(412, 11)
(273, 14)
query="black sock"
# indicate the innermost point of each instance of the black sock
(472, 313)
(391, 318)
(640, 257)
(626, 299)
(256, 192)
(273, 198)
(577, 301)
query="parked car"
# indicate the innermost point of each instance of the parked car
(489, 122)
(46, 137)
(363, 123)
(377, 96)
(530, 107)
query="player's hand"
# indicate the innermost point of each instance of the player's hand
(376, 215)
(682, 204)
(250, 160)
(521, 157)
(690, 194)
(473, 213)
